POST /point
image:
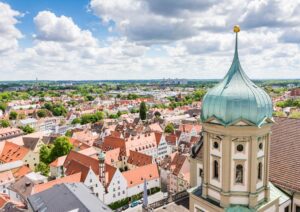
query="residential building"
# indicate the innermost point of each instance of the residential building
(66, 197)
(9, 132)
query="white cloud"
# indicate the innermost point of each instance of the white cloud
(156, 39)
(9, 34)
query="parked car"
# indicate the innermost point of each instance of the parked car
(133, 204)
(125, 207)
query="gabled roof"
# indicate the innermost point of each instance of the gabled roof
(138, 175)
(30, 143)
(177, 163)
(67, 197)
(59, 161)
(158, 136)
(21, 171)
(67, 179)
(13, 152)
(6, 177)
(112, 155)
(189, 127)
(139, 159)
(285, 154)
(83, 159)
(77, 167)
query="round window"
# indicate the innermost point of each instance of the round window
(216, 145)
(260, 146)
(240, 148)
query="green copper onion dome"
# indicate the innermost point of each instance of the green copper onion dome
(236, 98)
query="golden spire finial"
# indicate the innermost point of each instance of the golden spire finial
(236, 28)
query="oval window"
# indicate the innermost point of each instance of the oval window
(240, 148)
(260, 146)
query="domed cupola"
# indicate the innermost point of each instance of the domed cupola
(236, 100)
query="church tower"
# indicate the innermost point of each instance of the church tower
(101, 158)
(237, 119)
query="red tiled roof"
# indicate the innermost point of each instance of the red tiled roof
(74, 178)
(177, 163)
(139, 159)
(20, 172)
(83, 159)
(171, 139)
(138, 175)
(77, 167)
(12, 152)
(78, 144)
(112, 155)
(285, 154)
(158, 137)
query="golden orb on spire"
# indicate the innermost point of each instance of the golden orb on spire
(236, 28)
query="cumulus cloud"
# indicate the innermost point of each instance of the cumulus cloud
(270, 13)
(156, 39)
(9, 34)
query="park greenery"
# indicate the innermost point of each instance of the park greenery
(56, 109)
(289, 103)
(13, 115)
(89, 118)
(4, 123)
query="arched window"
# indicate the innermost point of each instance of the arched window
(216, 169)
(239, 174)
(259, 171)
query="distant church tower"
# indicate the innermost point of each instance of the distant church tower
(237, 119)
(101, 158)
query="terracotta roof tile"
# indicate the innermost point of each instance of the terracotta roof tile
(67, 179)
(83, 159)
(13, 152)
(20, 172)
(139, 159)
(138, 175)
(285, 154)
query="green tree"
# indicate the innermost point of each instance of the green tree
(199, 94)
(279, 114)
(169, 128)
(45, 154)
(76, 121)
(48, 106)
(157, 114)
(4, 123)
(61, 147)
(43, 168)
(13, 115)
(68, 133)
(42, 113)
(3, 107)
(143, 111)
(89, 98)
(59, 110)
(295, 115)
(27, 129)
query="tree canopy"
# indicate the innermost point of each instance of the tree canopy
(169, 128)
(143, 111)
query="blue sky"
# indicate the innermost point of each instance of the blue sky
(147, 39)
